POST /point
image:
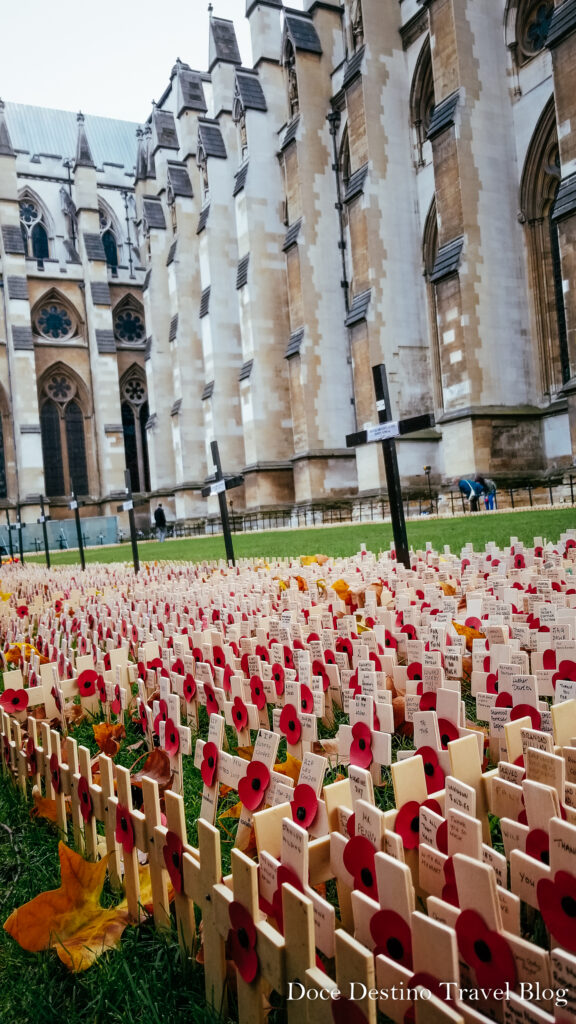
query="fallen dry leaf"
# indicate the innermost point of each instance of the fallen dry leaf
(469, 633)
(46, 808)
(157, 767)
(108, 737)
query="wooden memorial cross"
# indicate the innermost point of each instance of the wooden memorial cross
(219, 487)
(88, 799)
(74, 506)
(362, 743)
(387, 430)
(257, 949)
(240, 712)
(299, 728)
(128, 829)
(170, 842)
(256, 787)
(354, 975)
(207, 756)
(306, 806)
(175, 739)
(128, 505)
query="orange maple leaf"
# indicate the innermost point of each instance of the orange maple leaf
(108, 737)
(469, 633)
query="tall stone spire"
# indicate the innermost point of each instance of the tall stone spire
(141, 157)
(6, 148)
(83, 152)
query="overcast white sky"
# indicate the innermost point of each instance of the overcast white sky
(112, 57)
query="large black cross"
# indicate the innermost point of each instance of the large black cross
(128, 505)
(219, 487)
(20, 526)
(10, 545)
(43, 519)
(386, 431)
(75, 505)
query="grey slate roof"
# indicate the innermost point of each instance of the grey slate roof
(105, 342)
(223, 45)
(171, 252)
(447, 259)
(443, 115)
(147, 277)
(210, 138)
(71, 254)
(100, 293)
(301, 32)
(17, 287)
(353, 66)
(250, 90)
(355, 184)
(173, 328)
(565, 202)
(290, 133)
(240, 179)
(179, 180)
(242, 271)
(203, 218)
(563, 23)
(246, 370)
(12, 238)
(294, 344)
(208, 390)
(42, 130)
(204, 301)
(164, 134)
(22, 338)
(190, 92)
(291, 235)
(154, 213)
(358, 308)
(176, 407)
(94, 247)
(148, 348)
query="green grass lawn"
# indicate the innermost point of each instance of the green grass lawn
(343, 540)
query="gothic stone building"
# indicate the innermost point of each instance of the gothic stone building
(392, 181)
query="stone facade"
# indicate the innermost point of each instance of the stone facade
(389, 182)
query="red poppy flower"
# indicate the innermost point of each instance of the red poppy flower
(390, 640)
(346, 1011)
(473, 622)
(244, 663)
(239, 714)
(374, 658)
(85, 799)
(124, 829)
(538, 551)
(172, 852)
(209, 765)
(162, 715)
(189, 688)
(178, 667)
(197, 654)
(329, 658)
(566, 669)
(107, 662)
(449, 889)
(55, 694)
(14, 700)
(252, 788)
(442, 837)
(319, 669)
(211, 702)
(171, 738)
(290, 725)
(343, 644)
(288, 658)
(361, 746)
(55, 773)
(414, 670)
(257, 692)
(116, 702)
(278, 677)
(242, 942)
(409, 630)
(101, 685)
(304, 805)
(448, 732)
(262, 653)
(306, 699)
(353, 684)
(143, 715)
(485, 951)
(519, 561)
(557, 902)
(392, 936)
(526, 711)
(428, 701)
(538, 845)
(359, 861)
(22, 611)
(432, 770)
(407, 823)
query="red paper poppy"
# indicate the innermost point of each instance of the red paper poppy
(162, 715)
(22, 611)
(306, 699)
(504, 700)
(557, 902)
(189, 688)
(449, 889)
(566, 670)
(329, 658)
(359, 861)
(107, 662)
(124, 829)
(361, 746)
(257, 692)
(353, 684)
(392, 936)
(538, 551)
(407, 824)
(252, 788)
(409, 630)
(290, 725)
(519, 561)
(31, 755)
(288, 658)
(239, 714)
(55, 694)
(55, 773)
(209, 765)
(432, 770)
(101, 686)
(143, 715)
(177, 667)
(448, 732)
(319, 669)
(390, 640)
(283, 875)
(244, 663)
(197, 654)
(428, 701)
(85, 798)
(242, 942)
(343, 644)
(374, 658)
(414, 670)
(116, 702)
(346, 1011)
(171, 738)
(538, 845)
(442, 837)
(172, 852)
(263, 653)
(485, 951)
(526, 711)
(211, 702)
(14, 700)
(278, 677)
(304, 805)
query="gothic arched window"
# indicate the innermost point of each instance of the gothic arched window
(63, 441)
(53, 319)
(129, 326)
(134, 416)
(291, 79)
(532, 23)
(33, 228)
(109, 238)
(422, 99)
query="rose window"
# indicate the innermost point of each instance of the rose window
(60, 388)
(135, 390)
(54, 322)
(29, 212)
(129, 326)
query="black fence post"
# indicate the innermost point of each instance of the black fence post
(512, 497)
(571, 488)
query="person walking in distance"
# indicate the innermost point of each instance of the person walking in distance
(471, 490)
(160, 520)
(489, 489)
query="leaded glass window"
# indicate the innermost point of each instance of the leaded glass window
(54, 322)
(63, 439)
(130, 448)
(52, 450)
(109, 240)
(134, 418)
(532, 27)
(129, 325)
(33, 228)
(77, 468)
